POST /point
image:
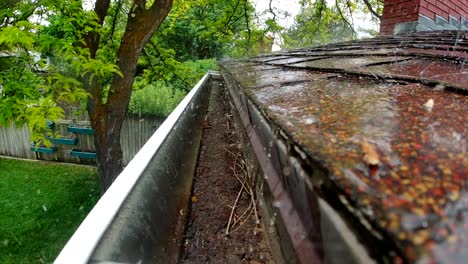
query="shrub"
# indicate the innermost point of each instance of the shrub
(155, 99)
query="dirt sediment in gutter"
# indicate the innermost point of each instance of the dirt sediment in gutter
(224, 223)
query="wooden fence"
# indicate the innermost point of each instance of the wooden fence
(136, 130)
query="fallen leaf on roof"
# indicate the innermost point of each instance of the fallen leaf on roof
(371, 157)
(429, 104)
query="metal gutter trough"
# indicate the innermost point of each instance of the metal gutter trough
(141, 217)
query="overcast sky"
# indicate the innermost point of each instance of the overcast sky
(291, 6)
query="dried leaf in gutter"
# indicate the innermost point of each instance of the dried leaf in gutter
(371, 157)
(429, 104)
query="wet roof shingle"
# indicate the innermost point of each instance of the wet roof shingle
(337, 99)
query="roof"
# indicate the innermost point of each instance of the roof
(387, 118)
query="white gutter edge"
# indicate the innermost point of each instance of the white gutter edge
(82, 244)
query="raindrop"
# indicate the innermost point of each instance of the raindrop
(6, 242)
(439, 87)
(44, 208)
(272, 222)
(310, 121)
(277, 204)
(429, 104)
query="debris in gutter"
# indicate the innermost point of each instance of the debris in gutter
(371, 157)
(429, 104)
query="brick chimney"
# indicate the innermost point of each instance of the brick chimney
(400, 16)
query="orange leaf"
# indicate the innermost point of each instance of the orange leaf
(371, 157)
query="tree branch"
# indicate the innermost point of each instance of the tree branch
(373, 12)
(344, 18)
(247, 24)
(272, 11)
(230, 17)
(101, 7)
(114, 20)
(92, 39)
(155, 47)
(319, 13)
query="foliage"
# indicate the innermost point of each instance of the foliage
(202, 29)
(194, 35)
(320, 22)
(155, 99)
(316, 24)
(159, 97)
(199, 68)
(33, 90)
(41, 205)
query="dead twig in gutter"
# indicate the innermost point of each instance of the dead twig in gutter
(232, 154)
(249, 209)
(254, 204)
(234, 209)
(243, 222)
(246, 183)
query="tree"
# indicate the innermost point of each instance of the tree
(194, 31)
(107, 111)
(316, 24)
(320, 22)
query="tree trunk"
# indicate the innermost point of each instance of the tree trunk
(107, 139)
(107, 117)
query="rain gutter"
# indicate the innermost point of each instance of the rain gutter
(141, 217)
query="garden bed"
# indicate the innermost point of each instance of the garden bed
(65, 140)
(80, 129)
(44, 149)
(83, 154)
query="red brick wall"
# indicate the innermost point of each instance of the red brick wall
(399, 11)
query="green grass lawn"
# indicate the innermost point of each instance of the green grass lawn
(41, 205)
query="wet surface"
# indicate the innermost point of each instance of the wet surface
(294, 60)
(455, 74)
(348, 63)
(416, 192)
